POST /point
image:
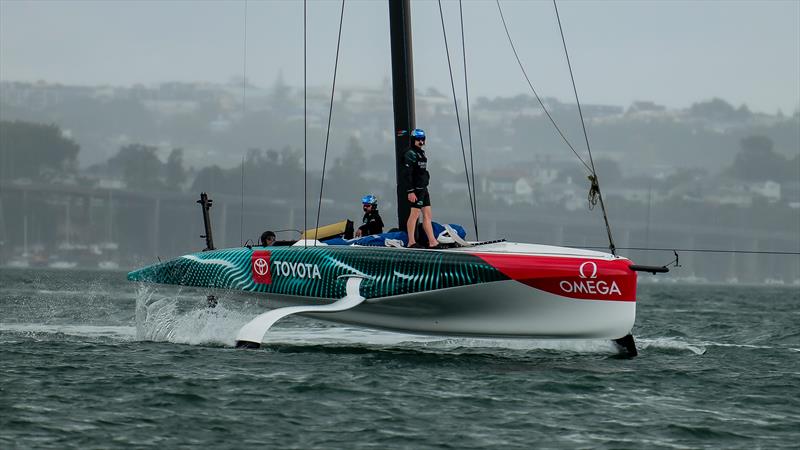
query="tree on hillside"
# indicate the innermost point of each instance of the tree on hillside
(757, 161)
(718, 109)
(174, 172)
(281, 93)
(347, 173)
(86, 116)
(268, 173)
(645, 106)
(34, 150)
(212, 179)
(139, 167)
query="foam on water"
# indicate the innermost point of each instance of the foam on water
(79, 367)
(122, 332)
(671, 343)
(342, 335)
(182, 318)
(161, 318)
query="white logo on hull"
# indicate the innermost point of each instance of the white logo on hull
(296, 269)
(582, 270)
(590, 285)
(260, 266)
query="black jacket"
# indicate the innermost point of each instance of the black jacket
(373, 224)
(415, 172)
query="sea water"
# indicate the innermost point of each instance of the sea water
(89, 360)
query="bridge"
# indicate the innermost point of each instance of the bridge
(144, 226)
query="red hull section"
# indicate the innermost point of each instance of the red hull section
(260, 267)
(581, 278)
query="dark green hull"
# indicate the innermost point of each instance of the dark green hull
(315, 271)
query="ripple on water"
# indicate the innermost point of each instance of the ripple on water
(86, 365)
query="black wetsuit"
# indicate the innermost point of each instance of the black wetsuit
(416, 176)
(373, 224)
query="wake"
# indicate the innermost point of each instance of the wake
(184, 319)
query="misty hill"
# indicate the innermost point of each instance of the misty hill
(210, 123)
(141, 188)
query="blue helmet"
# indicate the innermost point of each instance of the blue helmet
(369, 200)
(418, 133)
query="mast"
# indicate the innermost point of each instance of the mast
(206, 203)
(402, 94)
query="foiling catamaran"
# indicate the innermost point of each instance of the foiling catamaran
(493, 289)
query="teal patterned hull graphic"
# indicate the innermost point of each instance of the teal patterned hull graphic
(315, 271)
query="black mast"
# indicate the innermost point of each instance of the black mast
(206, 203)
(402, 94)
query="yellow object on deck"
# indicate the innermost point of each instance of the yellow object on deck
(339, 229)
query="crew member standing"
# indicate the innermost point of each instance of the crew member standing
(416, 177)
(372, 222)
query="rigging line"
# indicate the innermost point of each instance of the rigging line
(469, 123)
(575, 89)
(595, 180)
(244, 112)
(241, 220)
(525, 74)
(244, 63)
(696, 250)
(330, 116)
(458, 119)
(305, 121)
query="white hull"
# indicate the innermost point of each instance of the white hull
(505, 290)
(506, 309)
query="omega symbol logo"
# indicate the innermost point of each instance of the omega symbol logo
(593, 270)
(260, 266)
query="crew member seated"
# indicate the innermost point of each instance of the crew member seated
(267, 238)
(372, 222)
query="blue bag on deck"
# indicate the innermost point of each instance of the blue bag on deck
(394, 238)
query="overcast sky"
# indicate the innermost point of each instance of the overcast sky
(671, 52)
